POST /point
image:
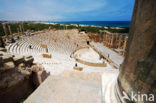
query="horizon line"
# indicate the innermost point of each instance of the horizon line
(66, 21)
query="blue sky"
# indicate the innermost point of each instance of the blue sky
(67, 10)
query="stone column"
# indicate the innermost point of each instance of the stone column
(119, 41)
(124, 47)
(23, 27)
(18, 31)
(9, 29)
(112, 41)
(106, 39)
(101, 36)
(66, 27)
(138, 71)
(20, 27)
(4, 28)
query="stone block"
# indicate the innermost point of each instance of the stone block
(7, 58)
(43, 74)
(46, 56)
(78, 68)
(39, 77)
(43, 46)
(21, 65)
(36, 79)
(3, 49)
(28, 60)
(14, 86)
(18, 59)
(36, 68)
(8, 65)
(25, 72)
(2, 53)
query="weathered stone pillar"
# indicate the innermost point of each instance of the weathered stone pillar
(112, 40)
(23, 27)
(124, 46)
(9, 29)
(4, 28)
(101, 36)
(138, 71)
(18, 31)
(120, 40)
(20, 27)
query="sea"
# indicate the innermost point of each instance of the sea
(122, 24)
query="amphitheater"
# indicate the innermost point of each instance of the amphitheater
(61, 45)
(60, 52)
(81, 71)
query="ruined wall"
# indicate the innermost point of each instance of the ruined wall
(19, 77)
(138, 72)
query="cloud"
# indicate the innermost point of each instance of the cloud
(47, 9)
(70, 6)
(59, 9)
(26, 14)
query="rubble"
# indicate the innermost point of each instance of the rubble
(18, 75)
(18, 59)
(28, 60)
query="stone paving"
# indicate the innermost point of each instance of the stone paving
(69, 87)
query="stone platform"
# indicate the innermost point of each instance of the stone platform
(70, 87)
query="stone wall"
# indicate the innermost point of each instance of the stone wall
(138, 72)
(19, 77)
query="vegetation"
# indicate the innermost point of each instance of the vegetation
(40, 26)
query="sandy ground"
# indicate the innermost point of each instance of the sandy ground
(88, 55)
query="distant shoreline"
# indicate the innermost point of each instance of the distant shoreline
(41, 25)
(82, 25)
(113, 24)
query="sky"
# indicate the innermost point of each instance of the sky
(66, 10)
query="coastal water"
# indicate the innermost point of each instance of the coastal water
(98, 23)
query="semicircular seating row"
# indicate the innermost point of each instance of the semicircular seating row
(61, 49)
(62, 45)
